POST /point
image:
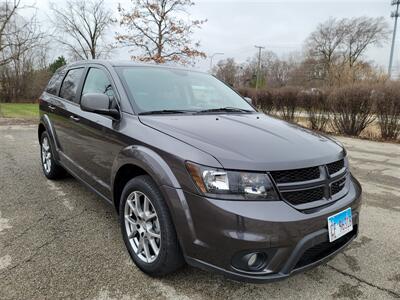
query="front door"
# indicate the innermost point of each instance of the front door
(97, 143)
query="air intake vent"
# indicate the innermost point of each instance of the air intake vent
(304, 196)
(324, 249)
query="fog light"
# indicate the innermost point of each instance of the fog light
(256, 261)
(252, 260)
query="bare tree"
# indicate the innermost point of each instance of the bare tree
(227, 70)
(24, 54)
(325, 49)
(157, 30)
(361, 33)
(307, 73)
(268, 58)
(338, 44)
(326, 42)
(280, 72)
(8, 11)
(81, 26)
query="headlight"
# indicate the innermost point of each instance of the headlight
(237, 185)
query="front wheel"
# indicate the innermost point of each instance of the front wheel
(147, 228)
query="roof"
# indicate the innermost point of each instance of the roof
(129, 63)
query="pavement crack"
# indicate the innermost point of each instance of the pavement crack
(25, 231)
(45, 244)
(29, 258)
(36, 223)
(390, 292)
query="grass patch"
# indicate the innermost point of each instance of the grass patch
(19, 110)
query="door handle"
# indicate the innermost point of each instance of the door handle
(76, 119)
(51, 107)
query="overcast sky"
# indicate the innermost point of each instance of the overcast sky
(234, 27)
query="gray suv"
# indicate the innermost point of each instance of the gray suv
(196, 173)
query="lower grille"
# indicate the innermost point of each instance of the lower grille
(324, 249)
(304, 196)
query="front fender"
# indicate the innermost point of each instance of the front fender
(148, 160)
(161, 173)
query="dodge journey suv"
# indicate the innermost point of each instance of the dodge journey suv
(196, 173)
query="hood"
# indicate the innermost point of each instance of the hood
(249, 141)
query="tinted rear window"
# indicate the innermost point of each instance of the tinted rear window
(55, 82)
(70, 84)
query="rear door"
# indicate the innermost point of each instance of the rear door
(49, 101)
(66, 110)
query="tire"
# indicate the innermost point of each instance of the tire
(169, 257)
(51, 168)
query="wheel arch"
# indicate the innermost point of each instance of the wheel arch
(41, 129)
(45, 125)
(133, 161)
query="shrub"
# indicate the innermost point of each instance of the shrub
(286, 102)
(265, 101)
(248, 92)
(316, 106)
(387, 100)
(352, 108)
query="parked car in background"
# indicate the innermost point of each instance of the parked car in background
(196, 173)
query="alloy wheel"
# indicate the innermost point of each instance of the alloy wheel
(46, 155)
(142, 226)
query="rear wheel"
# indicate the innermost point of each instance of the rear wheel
(147, 228)
(51, 169)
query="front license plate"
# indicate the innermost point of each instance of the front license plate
(340, 224)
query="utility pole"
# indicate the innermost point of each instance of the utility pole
(259, 64)
(395, 14)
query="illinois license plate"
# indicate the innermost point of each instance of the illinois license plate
(340, 224)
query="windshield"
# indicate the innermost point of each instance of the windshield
(162, 89)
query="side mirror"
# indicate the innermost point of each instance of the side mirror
(249, 100)
(98, 103)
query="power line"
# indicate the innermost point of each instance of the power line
(394, 15)
(259, 64)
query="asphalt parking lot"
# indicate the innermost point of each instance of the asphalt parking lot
(59, 240)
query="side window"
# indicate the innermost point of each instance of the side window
(98, 82)
(70, 84)
(55, 82)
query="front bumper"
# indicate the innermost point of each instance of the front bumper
(212, 232)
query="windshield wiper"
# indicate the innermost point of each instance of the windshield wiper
(225, 109)
(164, 111)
